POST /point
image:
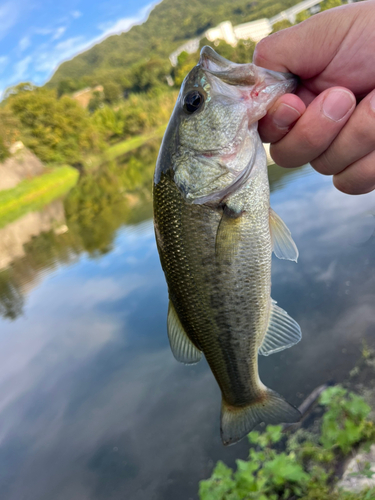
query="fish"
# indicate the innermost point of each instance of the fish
(215, 233)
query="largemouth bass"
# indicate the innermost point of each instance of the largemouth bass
(215, 234)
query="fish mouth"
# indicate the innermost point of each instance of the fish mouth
(244, 74)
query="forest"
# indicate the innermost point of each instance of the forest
(138, 85)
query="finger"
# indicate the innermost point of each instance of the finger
(309, 47)
(305, 95)
(281, 117)
(356, 140)
(358, 178)
(316, 129)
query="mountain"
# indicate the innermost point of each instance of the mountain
(169, 24)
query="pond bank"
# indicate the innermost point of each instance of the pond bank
(32, 194)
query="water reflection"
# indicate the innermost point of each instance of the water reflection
(92, 403)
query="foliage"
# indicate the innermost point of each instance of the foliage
(345, 423)
(305, 469)
(170, 24)
(112, 92)
(4, 153)
(281, 25)
(56, 130)
(118, 193)
(302, 16)
(10, 127)
(330, 4)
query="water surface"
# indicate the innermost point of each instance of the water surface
(92, 403)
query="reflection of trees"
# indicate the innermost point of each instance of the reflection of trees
(279, 176)
(11, 298)
(118, 193)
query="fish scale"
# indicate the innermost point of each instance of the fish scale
(216, 249)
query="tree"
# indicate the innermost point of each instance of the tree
(281, 25)
(112, 92)
(57, 130)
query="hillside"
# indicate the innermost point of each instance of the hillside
(169, 24)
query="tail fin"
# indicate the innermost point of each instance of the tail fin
(270, 408)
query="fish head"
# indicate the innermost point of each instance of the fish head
(212, 135)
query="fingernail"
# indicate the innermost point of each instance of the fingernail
(337, 104)
(285, 115)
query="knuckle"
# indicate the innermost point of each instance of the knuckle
(325, 164)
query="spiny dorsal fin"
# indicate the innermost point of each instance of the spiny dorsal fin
(182, 347)
(282, 331)
(282, 241)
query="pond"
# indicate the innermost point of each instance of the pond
(92, 403)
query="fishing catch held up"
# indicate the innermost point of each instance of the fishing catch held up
(215, 234)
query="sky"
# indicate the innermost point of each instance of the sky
(36, 36)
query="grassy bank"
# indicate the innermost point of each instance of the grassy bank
(35, 193)
(124, 147)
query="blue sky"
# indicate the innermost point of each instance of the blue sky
(37, 35)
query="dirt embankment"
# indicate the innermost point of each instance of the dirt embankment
(23, 164)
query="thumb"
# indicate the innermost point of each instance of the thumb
(307, 48)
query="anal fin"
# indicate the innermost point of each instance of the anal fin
(282, 332)
(282, 241)
(182, 347)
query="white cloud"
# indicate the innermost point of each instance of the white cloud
(118, 26)
(59, 33)
(43, 31)
(125, 23)
(76, 14)
(20, 69)
(24, 43)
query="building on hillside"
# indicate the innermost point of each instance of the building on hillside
(254, 30)
(224, 32)
(190, 47)
(84, 96)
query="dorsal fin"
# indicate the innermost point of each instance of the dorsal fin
(182, 347)
(282, 332)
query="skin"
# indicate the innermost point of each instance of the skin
(330, 122)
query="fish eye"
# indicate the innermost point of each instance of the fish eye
(193, 101)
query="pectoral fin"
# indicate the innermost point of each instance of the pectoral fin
(182, 347)
(228, 235)
(282, 241)
(282, 332)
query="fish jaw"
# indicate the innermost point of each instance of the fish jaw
(259, 87)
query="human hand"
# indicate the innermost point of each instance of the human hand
(333, 54)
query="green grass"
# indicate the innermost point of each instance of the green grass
(124, 147)
(35, 193)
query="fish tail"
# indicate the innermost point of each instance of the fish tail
(269, 407)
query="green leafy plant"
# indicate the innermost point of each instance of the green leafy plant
(301, 466)
(344, 422)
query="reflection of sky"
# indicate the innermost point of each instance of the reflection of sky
(94, 406)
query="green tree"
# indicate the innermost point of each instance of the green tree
(57, 130)
(330, 4)
(112, 92)
(281, 25)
